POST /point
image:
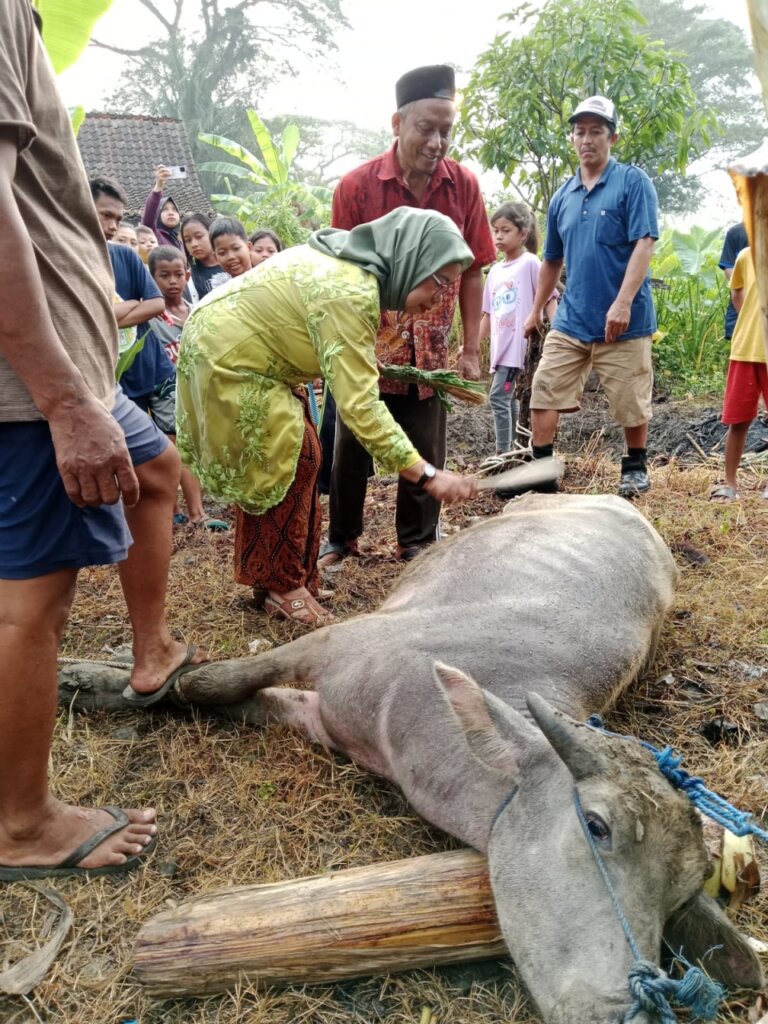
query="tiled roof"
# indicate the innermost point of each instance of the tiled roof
(127, 147)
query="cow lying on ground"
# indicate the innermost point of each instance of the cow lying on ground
(561, 597)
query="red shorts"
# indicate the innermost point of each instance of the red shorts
(746, 382)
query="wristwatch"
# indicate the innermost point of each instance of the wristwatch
(429, 474)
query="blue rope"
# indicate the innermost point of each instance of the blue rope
(649, 986)
(741, 823)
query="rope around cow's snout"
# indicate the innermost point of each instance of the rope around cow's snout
(649, 985)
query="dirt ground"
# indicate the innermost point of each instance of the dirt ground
(240, 806)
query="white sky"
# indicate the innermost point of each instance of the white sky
(357, 82)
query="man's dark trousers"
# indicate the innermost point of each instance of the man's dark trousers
(417, 514)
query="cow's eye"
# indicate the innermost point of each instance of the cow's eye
(597, 827)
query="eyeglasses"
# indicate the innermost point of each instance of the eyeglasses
(441, 282)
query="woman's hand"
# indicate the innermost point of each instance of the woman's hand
(451, 487)
(162, 174)
(443, 486)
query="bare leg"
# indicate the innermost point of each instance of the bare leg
(735, 440)
(636, 437)
(193, 494)
(144, 574)
(544, 425)
(36, 828)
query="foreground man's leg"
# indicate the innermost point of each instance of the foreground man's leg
(36, 828)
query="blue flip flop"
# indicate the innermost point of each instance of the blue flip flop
(69, 866)
(146, 700)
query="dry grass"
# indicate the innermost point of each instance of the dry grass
(239, 806)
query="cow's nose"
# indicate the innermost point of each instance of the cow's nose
(580, 1007)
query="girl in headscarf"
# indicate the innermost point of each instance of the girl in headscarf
(243, 422)
(161, 212)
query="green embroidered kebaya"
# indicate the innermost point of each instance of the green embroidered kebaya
(300, 315)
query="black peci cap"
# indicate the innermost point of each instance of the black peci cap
(435, 81)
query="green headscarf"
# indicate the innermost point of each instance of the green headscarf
(401, 249)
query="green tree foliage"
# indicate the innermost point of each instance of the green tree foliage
(720, 62)
(514, 117)
(269, 196)
(211, 59)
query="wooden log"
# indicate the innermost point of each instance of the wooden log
(380, 919)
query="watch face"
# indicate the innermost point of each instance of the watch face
(430, 472)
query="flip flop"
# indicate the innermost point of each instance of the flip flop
(339, 551)
(146, 700)
(724, 493)
(209, 523)
(68, 867)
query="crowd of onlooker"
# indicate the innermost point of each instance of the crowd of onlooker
(163, 266)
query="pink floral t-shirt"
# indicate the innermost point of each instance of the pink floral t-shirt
(508, 297)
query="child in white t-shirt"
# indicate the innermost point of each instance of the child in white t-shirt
(507, 300)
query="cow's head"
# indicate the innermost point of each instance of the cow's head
(555, 910)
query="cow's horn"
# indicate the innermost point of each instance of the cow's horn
(574, 743)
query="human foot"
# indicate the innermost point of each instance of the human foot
(299, 606)
(332, 553)
(724, 493)
(166, 665)
(71, 840)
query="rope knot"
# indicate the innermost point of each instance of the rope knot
(651, 989)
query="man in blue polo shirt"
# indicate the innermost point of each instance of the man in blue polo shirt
(603, 223)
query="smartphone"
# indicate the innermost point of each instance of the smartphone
(178, 172)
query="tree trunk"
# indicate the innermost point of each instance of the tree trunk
(372, 920)
(525, 379)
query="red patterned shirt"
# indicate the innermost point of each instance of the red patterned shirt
(377, 187)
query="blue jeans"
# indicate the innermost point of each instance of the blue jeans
(504, 406)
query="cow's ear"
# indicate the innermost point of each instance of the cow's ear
(703, 934)
(467, 702)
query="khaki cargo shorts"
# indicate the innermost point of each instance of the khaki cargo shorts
(624, 368)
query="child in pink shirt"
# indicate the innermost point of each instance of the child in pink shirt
(507, 300)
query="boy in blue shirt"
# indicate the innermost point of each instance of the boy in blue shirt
(158, 658)
(603, 223)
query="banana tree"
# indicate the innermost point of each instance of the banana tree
(268, 197)
(67, 29)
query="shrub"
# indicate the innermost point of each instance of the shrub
(691, 294)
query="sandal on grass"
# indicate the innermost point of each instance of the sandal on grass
(209, 523)
(69, 866)
(724, 493)
(304, 610)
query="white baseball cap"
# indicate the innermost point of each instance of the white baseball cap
(600, 106)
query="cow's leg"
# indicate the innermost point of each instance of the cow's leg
(299, 709)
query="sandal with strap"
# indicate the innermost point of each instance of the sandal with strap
(304, 610)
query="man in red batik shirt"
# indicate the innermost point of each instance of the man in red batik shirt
(414, 172)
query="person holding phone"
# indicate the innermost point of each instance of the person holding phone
(162, 214)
